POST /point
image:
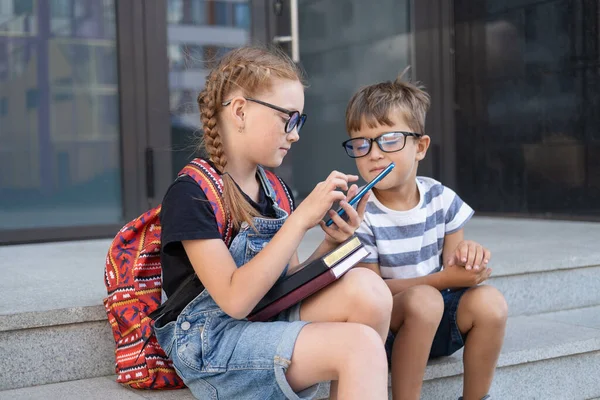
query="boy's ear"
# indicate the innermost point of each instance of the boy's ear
(422, 146)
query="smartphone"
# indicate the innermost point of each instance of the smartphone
(364, 190)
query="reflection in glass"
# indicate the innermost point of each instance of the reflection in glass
(528, 94)
(341, 52)
(199, 33)
(59, 114)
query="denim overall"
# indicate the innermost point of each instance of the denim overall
(219, 357)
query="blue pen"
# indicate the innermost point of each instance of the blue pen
(364, 190)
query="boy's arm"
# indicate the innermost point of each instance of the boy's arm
(451, 242)
(466, 253)
(437, 280)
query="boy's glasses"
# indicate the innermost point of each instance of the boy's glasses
(388, 143)
(295, 120)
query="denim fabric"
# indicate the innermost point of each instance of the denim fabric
(219, 357)
(448, 338)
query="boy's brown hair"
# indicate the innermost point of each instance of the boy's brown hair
(373, 105)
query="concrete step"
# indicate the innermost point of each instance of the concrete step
(54, 346)
(51, 315)
(545, 356)
(541, 266)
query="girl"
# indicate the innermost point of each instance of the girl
(251, 114)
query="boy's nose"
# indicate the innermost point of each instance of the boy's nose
(375, 153)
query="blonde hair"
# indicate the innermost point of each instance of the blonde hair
(249, 69)
(373, 105)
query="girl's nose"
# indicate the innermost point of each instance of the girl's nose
(293, 136)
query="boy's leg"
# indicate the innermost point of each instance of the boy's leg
(415, 318)
(481, 315)
(360, 296)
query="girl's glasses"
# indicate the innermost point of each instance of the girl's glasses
(388, 143)
(295, 120)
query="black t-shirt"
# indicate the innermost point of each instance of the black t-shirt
(186, 214)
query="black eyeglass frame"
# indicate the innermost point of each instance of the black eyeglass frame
(299, 122)
(377, 140)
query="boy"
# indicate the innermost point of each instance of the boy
(411, 224)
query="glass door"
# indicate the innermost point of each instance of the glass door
(198, 33)
(336, 42)
(343, 45)
(60, 134)
(527, 101)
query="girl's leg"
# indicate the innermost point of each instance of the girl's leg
(349, 353)
(359, 296)
(482, 313)
(415, 319)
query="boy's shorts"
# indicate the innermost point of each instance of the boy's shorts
(448, 338)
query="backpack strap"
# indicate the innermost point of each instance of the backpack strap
(211, 183)
(282, 195)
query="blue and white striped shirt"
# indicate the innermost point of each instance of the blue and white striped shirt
(409, 244)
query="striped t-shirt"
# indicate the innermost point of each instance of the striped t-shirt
(409, 244)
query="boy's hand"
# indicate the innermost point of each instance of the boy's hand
(342, 229)
(456, 277)
(471, 255)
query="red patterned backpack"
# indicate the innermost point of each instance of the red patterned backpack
(133, 282)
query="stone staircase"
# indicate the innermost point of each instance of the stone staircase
(56, 341)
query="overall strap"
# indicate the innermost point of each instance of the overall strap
(276, 189)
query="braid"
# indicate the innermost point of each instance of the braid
(250, 70)
(208, 101)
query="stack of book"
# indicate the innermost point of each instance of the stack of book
(310, 277)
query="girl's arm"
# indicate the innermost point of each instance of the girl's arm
(238, 290)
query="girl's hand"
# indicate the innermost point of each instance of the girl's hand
(311, 211)
(471, 255)
(342, 228)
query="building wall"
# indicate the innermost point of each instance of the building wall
(526, 85)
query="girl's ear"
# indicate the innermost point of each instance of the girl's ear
(237, 110)
(422, 146)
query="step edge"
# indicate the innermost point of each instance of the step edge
(520, 357)
(54, 317)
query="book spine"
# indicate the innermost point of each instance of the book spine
(292, 282)
(293, 297)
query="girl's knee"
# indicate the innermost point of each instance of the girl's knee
(488, 305)
(422, 302)
(367, 291)
(366, 340)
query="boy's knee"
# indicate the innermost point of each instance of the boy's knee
(424, 303)
(489, 305)
(368, 291)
